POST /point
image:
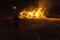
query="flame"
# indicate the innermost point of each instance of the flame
(36, 13)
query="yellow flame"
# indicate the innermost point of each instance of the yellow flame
(36, 13)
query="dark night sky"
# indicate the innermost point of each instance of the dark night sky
(24, 2)
(7, 5)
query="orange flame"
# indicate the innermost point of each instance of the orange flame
(36, 13)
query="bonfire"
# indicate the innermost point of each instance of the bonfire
(35, 13)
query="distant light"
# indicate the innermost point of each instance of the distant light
(14, 7)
